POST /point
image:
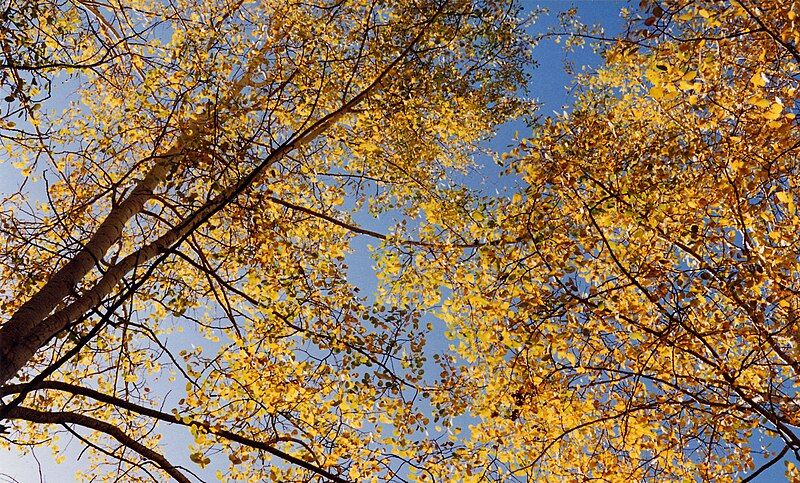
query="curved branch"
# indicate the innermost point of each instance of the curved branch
(63, 417)
(767, 465)
(169, 418)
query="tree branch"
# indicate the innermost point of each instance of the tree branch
(63, 417)
(169, 418)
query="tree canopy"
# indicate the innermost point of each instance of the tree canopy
(625, 313)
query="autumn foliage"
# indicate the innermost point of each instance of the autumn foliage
(626, 313)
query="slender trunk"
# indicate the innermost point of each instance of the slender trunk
(64, 281)
(19, 347)
(26, 327)
(32, 325)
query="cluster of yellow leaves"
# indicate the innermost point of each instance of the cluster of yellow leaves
(254, 313)
(638, 320)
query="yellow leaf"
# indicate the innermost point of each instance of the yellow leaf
(657, 92)
(759, 79)
(671, 96)
(759, 102)
(774, 112)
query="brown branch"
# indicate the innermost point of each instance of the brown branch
(63, 417)
(169, 418)
(766, 465)
(786, 45)
(380, 236)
